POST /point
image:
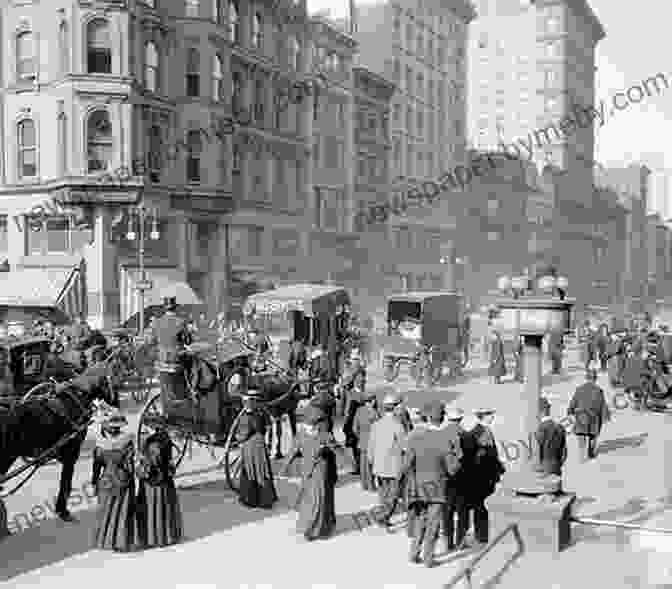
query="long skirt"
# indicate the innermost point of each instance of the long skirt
(615, 370)
(115, 525)
(255, 494)
(159, 517)
(257, 488)
(365, 472)
(317, 511)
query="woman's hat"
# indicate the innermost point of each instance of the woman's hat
(483, 412)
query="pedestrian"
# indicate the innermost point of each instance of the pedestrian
(550, 451)
(555, 351)
(587, 345)
(433, 459)
(353, 393)
(386, 444)
(316, 500)
(459, 493)
(324, 399)
(497, 368)
(518, 356)
(159, 517)
(601, 342)
(365, 417)
(256, 488)
(487, 472)
(590, 411)
(115, 486)
(404, 417)
(615, 360)
(172, 336)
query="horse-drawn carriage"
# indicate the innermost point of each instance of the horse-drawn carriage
(424, 330)
(218, 376)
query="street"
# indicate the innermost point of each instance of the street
(226, 543)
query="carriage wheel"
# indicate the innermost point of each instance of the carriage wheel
(39, 389)
(232, 461)
(153, 418)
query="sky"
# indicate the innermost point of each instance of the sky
(634, 49)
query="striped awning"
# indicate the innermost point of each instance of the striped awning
(51, 288)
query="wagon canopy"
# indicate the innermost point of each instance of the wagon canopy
(309, 299)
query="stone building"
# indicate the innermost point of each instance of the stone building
(190, 108)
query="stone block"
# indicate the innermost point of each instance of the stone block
(543, 521)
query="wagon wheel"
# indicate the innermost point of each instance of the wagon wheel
(39, 389)
(232, 461)
(153, 418)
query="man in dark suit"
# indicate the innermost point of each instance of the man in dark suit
(458, 493)
(172, 336)
(433, 456)
(590, 411)
(550, 451)
(487, 472)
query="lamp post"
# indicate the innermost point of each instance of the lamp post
(139, 215)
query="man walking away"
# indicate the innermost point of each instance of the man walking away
(433, 456)
(590, 411)
(385, 450)
(497, 368)
(488, 470)
(550, 449)
(458, 494)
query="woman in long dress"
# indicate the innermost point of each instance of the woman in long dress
(256, 488)
(159, 517)
(497, 368)
(365, 417)
(114, 455)
(315, 504)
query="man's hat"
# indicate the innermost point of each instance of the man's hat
(434, 410)
(170, 302)
(483, 412)
(391, 400)
(454, 414)
(544, 405)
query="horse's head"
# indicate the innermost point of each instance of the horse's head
(96, 383)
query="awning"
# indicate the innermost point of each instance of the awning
(54, 288)
(310, 299)
(165, 282)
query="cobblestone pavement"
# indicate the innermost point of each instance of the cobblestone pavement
(231, 547)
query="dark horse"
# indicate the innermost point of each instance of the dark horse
(280, 395)
(30, 427)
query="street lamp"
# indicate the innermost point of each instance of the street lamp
(139, 216)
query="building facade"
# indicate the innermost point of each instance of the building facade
(421, 47)
(189, 108)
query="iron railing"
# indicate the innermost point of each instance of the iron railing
(467, 572)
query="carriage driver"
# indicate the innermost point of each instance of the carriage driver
(172, 336)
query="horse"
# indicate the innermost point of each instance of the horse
(280, 395)
(33, 426)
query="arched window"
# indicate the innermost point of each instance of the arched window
(257, 30)
(151, 67)
(217, 79)
(234, 22)
(25, 56)
(195, 146)
(98, 47)
(99, 141)
(294, 53)
(193, 73)
(27, 149)
(236, 90)
(155, 154)
(64, 47)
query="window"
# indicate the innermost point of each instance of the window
(155, 155)
(193, 73)
(151, 67)
(549, 78)
(27, 149)
(483, 41)
(553, 24)
(217, 79)
(257, 30)
(195, 147)
(318, 207)
(396, 71)
(99, 47)
(192, 8)
(64, 47)
(247, 240)
(409, 80)
(99, 141)
(420, 122)
(493, 205)
(420, 43)
(493, 236)
(25, 56)
(236, 91)
(234, 22)
(235, 160)
(259, 101)
(294, 53)
(49, 236)
(409, 34)
(552, 49)
(421, 84)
